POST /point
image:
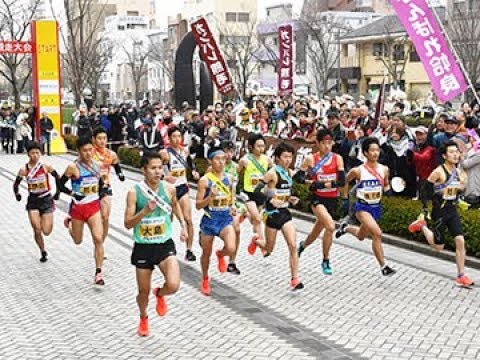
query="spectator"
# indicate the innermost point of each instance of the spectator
(46, 127)
(84, 125)
(471, 164)
(150, 137)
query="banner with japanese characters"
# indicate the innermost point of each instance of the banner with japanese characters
(444, 73)
(285, 62)
(46, 75)
(211, 55)
(15, 47)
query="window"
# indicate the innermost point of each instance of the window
(243, 17)
(121, 27)
(413, 55)
(345, 50)
(398, 52)
(378, 49)
(231, 17)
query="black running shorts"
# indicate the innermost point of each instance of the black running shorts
(44, 205)
(329, 203)
(278, 219)
(446, 217)
(146, 256)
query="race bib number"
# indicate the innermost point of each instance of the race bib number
(256, 180)
(37, 185)
(451, 191)
(177, 172)
(152, 228)
(89, 186)
(221, 202)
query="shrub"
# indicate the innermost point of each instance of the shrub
(129, 156)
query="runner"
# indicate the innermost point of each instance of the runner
(327, 174)
(40, 205)
(105, 158)
(231, 169)
(255, 165)
(215, 195)
(444, 185)
(177, 160)
(87, 184)
(279, 194)
(372, 180)
(149, 206)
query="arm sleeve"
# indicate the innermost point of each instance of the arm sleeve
(16, 184)
(61, 185)
(190, 163)
(300, 177)
(118, 169)
(341, 178)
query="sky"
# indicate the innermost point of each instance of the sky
(175, 6)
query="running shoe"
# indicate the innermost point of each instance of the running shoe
(205, 287)
(300, 248)
(190, 256)
(143, 329)
(341, 230)
(162, 307)
(464, 281)
(388, 271)
(327, 270)
(417, 226)
(66, 222)
(222, 265)
(99, 279)
(232, 268)
(44, 257)
(296, 284)
(252, 247)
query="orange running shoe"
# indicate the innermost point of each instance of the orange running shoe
(417, 226)
(253, 245)
(222, 264)
(205, 287)
(162, 307)
(464, 281)
(143, 327)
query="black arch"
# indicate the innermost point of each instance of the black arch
(184, 77)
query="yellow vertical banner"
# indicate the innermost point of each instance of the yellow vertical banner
(47, 78)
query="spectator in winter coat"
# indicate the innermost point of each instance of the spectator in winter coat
(46, 127)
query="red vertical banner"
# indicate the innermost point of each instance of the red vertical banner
(285, 60)
(212, 56)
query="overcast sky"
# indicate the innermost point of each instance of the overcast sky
(174, 7)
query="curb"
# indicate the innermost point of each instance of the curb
(387, 238)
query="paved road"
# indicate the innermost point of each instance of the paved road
(52, 310)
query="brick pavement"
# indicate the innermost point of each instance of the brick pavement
(53, 310)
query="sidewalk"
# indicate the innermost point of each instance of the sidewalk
(53, 311)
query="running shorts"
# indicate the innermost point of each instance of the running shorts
(44, 204)
(146, 256)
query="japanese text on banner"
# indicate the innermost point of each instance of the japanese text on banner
(285, 64)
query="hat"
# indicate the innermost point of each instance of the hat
(451, 119)
(421, 129)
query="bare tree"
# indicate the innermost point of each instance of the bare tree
(162, 55)
(81, 35)
(321, 33)
(463, 27)
(394, 53)
(240, 46)
(15, 24)
(137, 57)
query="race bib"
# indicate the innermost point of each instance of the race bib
(177, 172)
(89, 186)
(451, 191)
(38, 185)
(256, 179)
(152, 228)
(221, 202)
(282, 195)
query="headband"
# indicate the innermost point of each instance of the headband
(215, 153)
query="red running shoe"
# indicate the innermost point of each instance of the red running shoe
(161, 307)
(252, 247)
(205, 287)
(417, 226)
(143, 327)
(222, 264)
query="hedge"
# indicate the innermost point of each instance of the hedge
(397, 212)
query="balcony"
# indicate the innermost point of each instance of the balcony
(349, 61)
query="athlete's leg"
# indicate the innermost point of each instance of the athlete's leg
(144, 278)
(255, 219)
(76, 230)
(270, 239)
(96, 229)
(171, 272)
(371, 226)
(187, 215)
(36, 222)
(47, 223)
(228, 236)
(106, 208)
(460, 253)
(236, 227)
(289, 233)
(206, 242)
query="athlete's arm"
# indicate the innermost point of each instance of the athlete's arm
(131, 219)
(386, 184)
(342, 181)
(116, 166)
(301, 174)
(69, 172)
(177, 210)
(202, 202)
(463, 177)
(242, 164)
(353, 174)
(16, 185)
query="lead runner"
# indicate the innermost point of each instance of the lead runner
(372, 180)
(149, 207)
